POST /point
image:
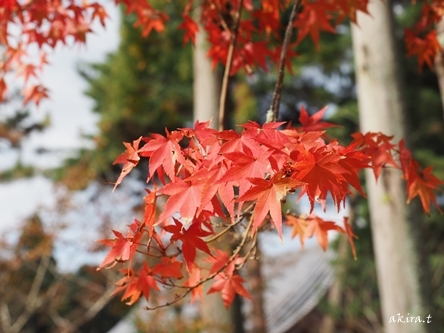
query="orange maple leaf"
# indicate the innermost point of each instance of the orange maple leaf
(320, 228)
(420, 182)
(350, 235)
(269, 194)
(424, 48)
(130, 158)
(299, 225)
(190, 27)
(229, 284)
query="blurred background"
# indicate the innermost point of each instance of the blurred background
(56, 178)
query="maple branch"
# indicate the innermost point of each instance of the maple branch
(273, 113)
(221, 18)
(247, 67)
(240, 218)
(250, 251)
(211, 276)
(229, 62)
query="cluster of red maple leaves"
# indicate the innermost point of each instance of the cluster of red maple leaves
(241, 179)
(422, 40)
(46, 23)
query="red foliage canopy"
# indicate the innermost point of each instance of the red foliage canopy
(202, 158)
(47, 23)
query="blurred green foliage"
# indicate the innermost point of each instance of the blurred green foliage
(143, 87)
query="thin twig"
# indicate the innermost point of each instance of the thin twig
(224, 25)
(276, 101)
(229, 62)
(250, 251)
(240, 218)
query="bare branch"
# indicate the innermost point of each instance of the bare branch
(33, 301)
(273, 113)
(229, 62)
(5, 318)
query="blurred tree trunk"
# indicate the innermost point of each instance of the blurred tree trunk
(254, 275)
(439, 60)
(206, 84)
(206, 88)
(381, 105)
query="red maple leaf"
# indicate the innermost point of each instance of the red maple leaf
(169, 268)
(320, 228)
(313, 123)
(130, 158)
(229, 284)
(145, 282)
(99, 12)
(245, 165)
(269, 194)
(148, 17)
(353, 160)
(211, 186)
(379, 147)
(194, 278)
(191, 240)
(299, 225)
(319, 168)
(27, 71)
(149, 217)
(312, 20)
(163, 152)
(136, 284)
(220, 259)
(121, 250)
(202, 132)
(3, 89)
(269, 135)
(191, 28)
(35, 93)
(424, 48)
(349, 8)
(235, 142)
(422, 183)
(185, 197)
(350, 235)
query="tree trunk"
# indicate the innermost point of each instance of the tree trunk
(439, 60)
(206, 85)
(206, 88)
(254, 275)
(381, 108)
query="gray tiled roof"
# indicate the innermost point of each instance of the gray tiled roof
(294, 285)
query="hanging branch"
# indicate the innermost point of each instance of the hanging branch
(228, 63)
(273, 113)
(211, 276)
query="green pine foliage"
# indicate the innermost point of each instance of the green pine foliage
(141, 88)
